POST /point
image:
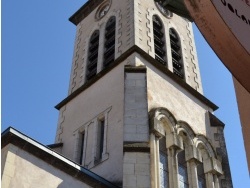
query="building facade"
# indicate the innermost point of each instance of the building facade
(135, 113)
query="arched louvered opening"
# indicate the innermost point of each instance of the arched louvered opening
(159, 40)
(163, 164)
(177, 59)
(182, 170)
(93, 55)
(109, 45)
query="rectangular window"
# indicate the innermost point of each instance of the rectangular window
(100, 138)
(82, 147)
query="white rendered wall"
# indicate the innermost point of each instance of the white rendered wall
(22, 170)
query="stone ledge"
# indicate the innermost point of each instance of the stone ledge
(136, 147)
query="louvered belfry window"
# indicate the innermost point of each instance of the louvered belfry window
(93, 55)
(109, 45)
(159, 39)
(176, 53)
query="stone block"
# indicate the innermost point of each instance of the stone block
(142, 158)
(130, 129)
(136, 121)
(135, 76)
(142, 113)
(136, 137)
(142, 169)
(129, 169)
(140, 83)
(143, 181)
(142, 129)
(129, 181)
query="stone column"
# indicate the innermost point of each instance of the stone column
(173, 167)
(209, 180)
(192, 173)
(216, 181)
(154, 161)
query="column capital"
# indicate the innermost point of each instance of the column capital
(192, 154)
(212, 165)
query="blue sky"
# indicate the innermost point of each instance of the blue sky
(37, 50)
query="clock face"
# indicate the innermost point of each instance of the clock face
(167, 13)
(103, 9)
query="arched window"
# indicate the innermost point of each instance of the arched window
(177, 59)
(109, 45)
(163, 164)
(92, 55)
(204, 155)
(182, 170)
(159, 40)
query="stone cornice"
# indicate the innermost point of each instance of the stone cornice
(155, 63)
(84, 11)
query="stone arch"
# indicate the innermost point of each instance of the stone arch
(185, 134)
(165, 119)
(204, 147)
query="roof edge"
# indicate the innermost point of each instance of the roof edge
(84, 11)
(13, 136)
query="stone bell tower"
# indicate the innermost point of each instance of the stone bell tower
(135, 113)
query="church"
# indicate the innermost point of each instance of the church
(135, 115)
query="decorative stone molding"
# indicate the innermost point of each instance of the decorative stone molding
(212, 165)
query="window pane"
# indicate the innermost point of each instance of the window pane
(182, 170)
(201, 176)
(201, 182)
(163, 164)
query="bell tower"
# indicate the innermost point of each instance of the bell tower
(135, 113)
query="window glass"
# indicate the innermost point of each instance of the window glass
(201, 176)
(163, 163)
(182, 170)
